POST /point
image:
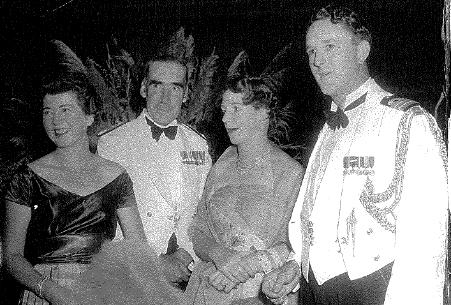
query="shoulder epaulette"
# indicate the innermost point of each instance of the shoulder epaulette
(398, 103)
(104, 132)
(192, 129)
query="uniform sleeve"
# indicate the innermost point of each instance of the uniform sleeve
(125, 195)
(421, 225)
(20, 189)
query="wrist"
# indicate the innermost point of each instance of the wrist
(264, 260)
(40, 286)
(50, 291)
(219, 255)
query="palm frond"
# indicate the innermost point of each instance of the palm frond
(276, 71)
(239, 66)
(200, 93)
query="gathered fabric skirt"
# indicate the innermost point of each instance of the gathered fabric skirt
(123, 273)
(65, 275)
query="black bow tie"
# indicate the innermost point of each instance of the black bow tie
(338, 119)
(170, 132)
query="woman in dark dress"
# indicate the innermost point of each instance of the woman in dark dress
(61, 208)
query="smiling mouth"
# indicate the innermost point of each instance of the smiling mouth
(60, 132)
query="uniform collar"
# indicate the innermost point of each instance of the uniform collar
(146, 115)
(364, 88)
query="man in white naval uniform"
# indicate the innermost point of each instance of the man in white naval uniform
(168, 163)
(370, 222)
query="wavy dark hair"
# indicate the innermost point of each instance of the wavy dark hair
(343, 15)
(77, 83)
(259, 93)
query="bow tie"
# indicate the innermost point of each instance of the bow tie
(170, 132)
(338, 119)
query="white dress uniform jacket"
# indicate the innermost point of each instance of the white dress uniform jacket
(376, 192)
(168, 176)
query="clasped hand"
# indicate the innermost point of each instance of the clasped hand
(237, 269)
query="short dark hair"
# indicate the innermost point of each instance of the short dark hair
(345, 16)
(165, 58)
(73, 82)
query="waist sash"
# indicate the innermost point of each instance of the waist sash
(65, 249)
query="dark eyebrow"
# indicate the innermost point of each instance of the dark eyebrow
(156, 82)
(60, 106)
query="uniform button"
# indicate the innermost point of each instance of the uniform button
(376, 258)
(149, 214)
(369, 231)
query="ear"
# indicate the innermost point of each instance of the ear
(142, 90)
(89, 120)
(363, 50)
(185, 95)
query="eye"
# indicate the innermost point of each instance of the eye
(311, 52)
(46, 112)
(330, 46)
(176, 88)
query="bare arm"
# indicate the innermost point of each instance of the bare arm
(130, 223)
(17, 218)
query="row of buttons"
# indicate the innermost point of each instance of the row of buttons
(170, 217)
(345, 241)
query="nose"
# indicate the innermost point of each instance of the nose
(318, 59)
(165, 94)
(225, 117)
(57, 118)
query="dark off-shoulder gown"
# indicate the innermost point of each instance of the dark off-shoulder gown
(67, 232)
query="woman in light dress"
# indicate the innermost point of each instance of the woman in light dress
(240, 229)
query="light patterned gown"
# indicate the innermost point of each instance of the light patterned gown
(244, 210)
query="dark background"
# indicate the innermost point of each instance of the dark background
(407, 54)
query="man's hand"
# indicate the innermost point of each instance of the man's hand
(278, 283)
(175, 266)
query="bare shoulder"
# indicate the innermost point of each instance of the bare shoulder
(109, 169)
(44, 165)
(283, 162)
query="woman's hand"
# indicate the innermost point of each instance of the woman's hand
(251, 264)
(59, 295)
(220, 282)
(231, 267)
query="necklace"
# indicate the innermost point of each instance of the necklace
(244, 167)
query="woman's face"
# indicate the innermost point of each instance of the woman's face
(64, 120)
(242, 122)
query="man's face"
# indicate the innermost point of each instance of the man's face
(165, 91)
(333, 58)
